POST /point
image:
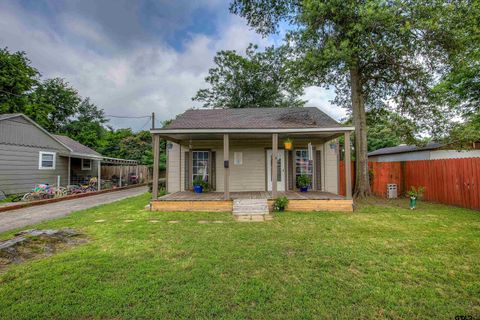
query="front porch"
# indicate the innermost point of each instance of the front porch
(215, 201)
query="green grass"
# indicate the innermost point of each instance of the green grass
(383, 261)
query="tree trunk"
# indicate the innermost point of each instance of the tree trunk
(362, 185)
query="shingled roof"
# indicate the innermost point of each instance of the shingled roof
(405, 148)
(77, 147)
(253, 118)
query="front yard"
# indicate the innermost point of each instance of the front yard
(381, 262)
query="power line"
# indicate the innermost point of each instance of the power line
(128, 117)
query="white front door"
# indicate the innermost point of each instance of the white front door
(280, 170)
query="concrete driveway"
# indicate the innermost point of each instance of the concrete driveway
(26, 216)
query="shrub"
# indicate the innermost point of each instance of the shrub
(280, 204)
(200, 182)
(304, 180)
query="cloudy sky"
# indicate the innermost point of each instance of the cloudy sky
(132, 57)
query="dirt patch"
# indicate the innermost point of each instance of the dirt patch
(30, 244)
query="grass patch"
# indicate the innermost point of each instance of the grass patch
(384, 261)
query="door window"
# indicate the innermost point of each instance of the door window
(302, 164)
(200, 165)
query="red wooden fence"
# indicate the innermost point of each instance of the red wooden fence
(449, 181)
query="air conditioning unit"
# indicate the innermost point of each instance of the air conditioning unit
(392, 191)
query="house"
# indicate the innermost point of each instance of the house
(31, 155)
(232, 150)
(431, 151)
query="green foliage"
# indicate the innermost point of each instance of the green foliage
(416, 192)
(258, 79)
(280, 204)
(377, 54)
(304, 181)
(464, 134)
(198, 181)
(17, 79)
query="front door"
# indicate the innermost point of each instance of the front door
(280, 170)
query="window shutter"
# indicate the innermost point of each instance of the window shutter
(213, 171)
(290, 170)
(318, 170)
(187, 177)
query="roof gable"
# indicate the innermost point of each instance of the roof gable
(254, 118)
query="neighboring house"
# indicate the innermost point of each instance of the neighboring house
(431, 151)
(232, 150)
(31, 155)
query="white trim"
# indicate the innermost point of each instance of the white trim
(40, 156)
(279, 130)
(85, 168)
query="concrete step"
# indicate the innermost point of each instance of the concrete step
(250, 207)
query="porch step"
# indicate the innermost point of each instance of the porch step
(250, 207)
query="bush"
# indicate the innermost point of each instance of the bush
(304, 181)
(200, 182)
(280, 204)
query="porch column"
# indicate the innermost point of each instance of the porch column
(156, 155)
(274, 164)
(69, 168)
(226, 166)
(348, 167)
(99, 187)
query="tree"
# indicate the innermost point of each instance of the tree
(376, 53)
(87, 127)
(389, 129)
(257, 79)
(17, 79)
(54, 103)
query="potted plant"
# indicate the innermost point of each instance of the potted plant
(304, 181)
(280, 204)
(199, 185)
(414, 194)
(288, 144)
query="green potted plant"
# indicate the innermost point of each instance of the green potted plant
(280, 204)
(199, 185)
(304, 181)
(414, 194)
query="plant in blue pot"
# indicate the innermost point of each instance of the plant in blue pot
(304, 181)
(199, 185)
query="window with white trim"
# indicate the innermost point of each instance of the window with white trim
(46, 160)
(302, 164)
(86, 164)
(200, 164)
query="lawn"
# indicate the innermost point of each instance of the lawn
(382, 261)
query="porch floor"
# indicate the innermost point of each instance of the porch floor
(218, 196)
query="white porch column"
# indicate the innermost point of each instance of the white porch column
(226, 166)
(99, 187)
(274, 164)
(156, 160)
(68, 175)
(348, 168)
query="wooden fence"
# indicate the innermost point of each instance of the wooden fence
(449, 181)
(144, 172)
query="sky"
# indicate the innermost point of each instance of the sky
(133, 58)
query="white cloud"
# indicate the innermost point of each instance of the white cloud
(320, 98)
(135, 81)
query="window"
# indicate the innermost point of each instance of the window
(302, 164)
(86, 164)
(46, 160)
(238, 158)
(200, 165)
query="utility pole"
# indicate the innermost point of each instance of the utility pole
(153, 120)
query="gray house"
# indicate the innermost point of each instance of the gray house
(30, 155)
(431, 151)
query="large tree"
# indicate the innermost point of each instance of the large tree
(257, 80)
(377, 53)
(17, 80)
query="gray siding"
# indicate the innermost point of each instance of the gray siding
(20, 132)
(19, 169)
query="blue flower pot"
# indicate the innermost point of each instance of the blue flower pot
(198, 189)
(303, 189)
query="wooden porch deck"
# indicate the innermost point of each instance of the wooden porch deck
(214, 201)
(218, 196)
